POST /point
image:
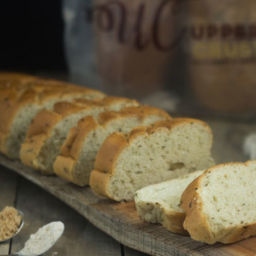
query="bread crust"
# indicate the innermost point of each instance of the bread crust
(41, 129)
(66, 162)
(73, 145)
(14, 96)
(197, 224)
(170, 219)
(114, 145)
(37, 134)
(192, 205)
(108, 101)
(44, 124)
(173, 221)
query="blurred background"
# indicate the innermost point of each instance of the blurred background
(189, 56)
(32, 36)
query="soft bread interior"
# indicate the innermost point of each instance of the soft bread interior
(52, 146)
(152, 201)
(23, 119)
(159, 156)
(228, 197)
(96, 137)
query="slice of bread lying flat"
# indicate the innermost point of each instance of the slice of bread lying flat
(49, 129)
(84, 141)
(168, 149)
(220, 205)
(18, 106)
(160, 203)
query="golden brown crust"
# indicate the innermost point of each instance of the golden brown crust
(16, 94)
(37, 134)
(66, 161)
(196, 222)
(108, 101)
(109, 152)
(105, 160)
(10, 105)
(73, 145)
(173, 221)
(99, 182)
(115, 143)
(41, 129)
(140, 112)
(84, 127)
(65, 108)
(63, 167)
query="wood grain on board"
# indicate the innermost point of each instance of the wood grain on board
(120, 220)
(79, 237)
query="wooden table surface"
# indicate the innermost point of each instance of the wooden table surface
(40, 208)
(80, 237)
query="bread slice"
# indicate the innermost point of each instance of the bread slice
(220, 204)
(84, 141)
(49, 129)
(18, 106)
(160, 203)
(166, 150)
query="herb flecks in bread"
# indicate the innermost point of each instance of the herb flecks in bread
(78, 154)
(126, 163)
(50, 128)
(160, 203)
(21, 100)
(220, 204)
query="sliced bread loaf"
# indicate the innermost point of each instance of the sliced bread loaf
(78, 154)
(220, 204)
(49, 129)
(160, 203)
(19, 106)
(168, 149)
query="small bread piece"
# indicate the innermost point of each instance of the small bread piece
(160, 203)
(168, 149)
(19, 103)
(78, 154)
(220, 204)
(49, 129)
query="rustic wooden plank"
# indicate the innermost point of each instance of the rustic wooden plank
(79, 238)
(8, 183)
(117, 219)
(120, 219)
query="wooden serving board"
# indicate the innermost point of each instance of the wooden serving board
(120, 220)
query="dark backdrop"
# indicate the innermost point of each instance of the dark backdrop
(31, 35)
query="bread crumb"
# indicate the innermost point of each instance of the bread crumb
(10, 221)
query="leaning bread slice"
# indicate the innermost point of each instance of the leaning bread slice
(78, 154)
(220, 204)
(168, 149)
(160, 203)
(19, 106)
(49, 129)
